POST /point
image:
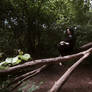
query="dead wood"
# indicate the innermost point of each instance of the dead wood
(58, 84)
(86, 46)
(26, 76)
(17, 68)
(86, 50)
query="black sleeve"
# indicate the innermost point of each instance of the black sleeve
(68, 39)
(71, 40)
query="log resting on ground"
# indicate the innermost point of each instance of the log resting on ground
(86, 46)
(59, 83)
(45, 61)
(41, 62)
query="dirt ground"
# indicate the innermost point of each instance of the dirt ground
(79, 81)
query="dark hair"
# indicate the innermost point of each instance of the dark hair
(70, 29)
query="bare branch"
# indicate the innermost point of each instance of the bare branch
(26, 76)
(86, 46)
(67, 74)
(42, 62)
(19, 78)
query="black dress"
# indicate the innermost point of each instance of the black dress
(66, 47)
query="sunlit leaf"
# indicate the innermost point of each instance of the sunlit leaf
(25, 57)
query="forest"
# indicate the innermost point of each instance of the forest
(29, 33)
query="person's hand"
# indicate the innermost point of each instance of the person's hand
(62, 43)
(66, 43)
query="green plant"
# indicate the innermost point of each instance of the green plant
(14, 60)
(32, 89)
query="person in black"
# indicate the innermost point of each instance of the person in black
(66, 46)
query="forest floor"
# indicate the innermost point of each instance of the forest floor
(79, 81)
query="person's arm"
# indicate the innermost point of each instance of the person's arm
(63, 42)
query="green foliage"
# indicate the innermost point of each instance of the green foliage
(25, 57)
(3, 86)
(33, 88)
(14, 60)
(36, 26)
(3, 67)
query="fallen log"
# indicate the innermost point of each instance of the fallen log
(38, 62)
(41, 62)
(31, 73)
(26, 76)
(86, 46)
(58, 84)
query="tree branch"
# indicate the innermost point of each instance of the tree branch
(26, 76)
(17, 68)
(86, 46)
(19, 78)
(67, 74)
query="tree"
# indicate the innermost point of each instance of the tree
(29, 24)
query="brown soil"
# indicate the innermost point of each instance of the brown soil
(80, 80)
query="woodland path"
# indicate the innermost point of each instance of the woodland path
(80, 80)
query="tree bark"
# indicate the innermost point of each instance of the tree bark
(66, 75)
(26, 76)
(31, 73)
(17, 68)
(86, 46)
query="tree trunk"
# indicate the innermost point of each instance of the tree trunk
(17, 68)
(66, 75)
